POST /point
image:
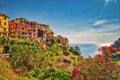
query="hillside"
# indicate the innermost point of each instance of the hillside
(27, 55)
(116, 44)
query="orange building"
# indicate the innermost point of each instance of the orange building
(17, 30)
(13, 29)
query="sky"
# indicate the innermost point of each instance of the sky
(81, 21)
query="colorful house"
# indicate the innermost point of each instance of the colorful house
(3, 28)
(50, 35)
(13, 29)
(17, 30)
(4, 24)
(21, 27)
(28, 30)
(44, 31)
(33, 30)
(20, 21)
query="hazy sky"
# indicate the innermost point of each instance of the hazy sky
(82, 21)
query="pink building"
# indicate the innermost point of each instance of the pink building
(33, 30)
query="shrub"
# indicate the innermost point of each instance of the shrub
(25, 55)
(35, 73)
(23, 78)
(101, 67)
(54, 74)
(6, 71)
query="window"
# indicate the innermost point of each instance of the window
(22, 33)
(5, 23)
(33, 30)
(5, 18)
(4, 29)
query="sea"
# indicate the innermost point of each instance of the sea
(87, 49)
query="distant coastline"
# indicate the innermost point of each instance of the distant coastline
(87, 49)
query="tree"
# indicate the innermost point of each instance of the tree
(75, 50)
(71, 49)
(24, 54)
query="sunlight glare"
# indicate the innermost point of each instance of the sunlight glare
(107, 1)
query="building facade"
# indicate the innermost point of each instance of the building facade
(21, 22)
(62, 40)
(22, 28)
(17, 30)
(4, 20)
(33, 30)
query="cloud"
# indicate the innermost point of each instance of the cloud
(106, 33)
(99, 22)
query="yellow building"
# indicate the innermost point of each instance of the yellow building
(4, 21)
(20, 20)
(3, 27)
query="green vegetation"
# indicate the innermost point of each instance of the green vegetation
(101, 67)
(24, 54)
(29, 62)
(75, 50)
(54, 74)
(5, 71)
